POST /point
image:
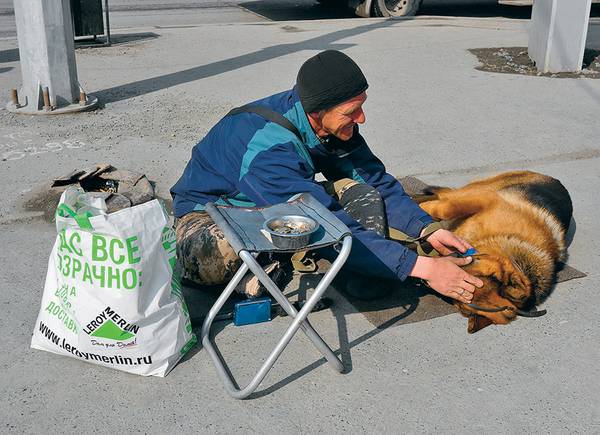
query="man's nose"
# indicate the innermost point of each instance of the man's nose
(360, 117)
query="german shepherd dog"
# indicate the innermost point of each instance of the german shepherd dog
(517, 222)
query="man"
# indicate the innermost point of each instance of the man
(246, 159)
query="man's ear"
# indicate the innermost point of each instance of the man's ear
(477, 322)
(316, 122)
(316, 116)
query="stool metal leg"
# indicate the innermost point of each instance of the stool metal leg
(289, 308)
(299, 320)
(208, 321)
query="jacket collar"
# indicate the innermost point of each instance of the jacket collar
(297, 116)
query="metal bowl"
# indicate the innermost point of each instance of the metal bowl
(290, 231)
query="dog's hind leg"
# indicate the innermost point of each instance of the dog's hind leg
(430, 193)
(452, 205)
(424, 197)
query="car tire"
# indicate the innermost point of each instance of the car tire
(395, 8)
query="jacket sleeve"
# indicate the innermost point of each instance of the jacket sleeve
(362, 165)
(277, 174)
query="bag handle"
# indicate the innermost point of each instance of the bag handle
(269, 115)
(83, 219)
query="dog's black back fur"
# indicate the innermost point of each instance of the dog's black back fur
(551, 196)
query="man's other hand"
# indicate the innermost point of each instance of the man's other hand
(446, 242)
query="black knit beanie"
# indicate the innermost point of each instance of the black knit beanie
(328, 79)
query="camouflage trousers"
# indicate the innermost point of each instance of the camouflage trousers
(207, 258)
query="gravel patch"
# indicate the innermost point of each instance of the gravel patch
(515, 60)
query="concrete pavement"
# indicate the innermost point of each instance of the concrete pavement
(429, 113)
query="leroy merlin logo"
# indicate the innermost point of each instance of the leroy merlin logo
(108, 324)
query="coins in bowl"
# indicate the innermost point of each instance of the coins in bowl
(290, 231)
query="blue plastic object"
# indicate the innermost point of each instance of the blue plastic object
(252, 311)
(468, 252)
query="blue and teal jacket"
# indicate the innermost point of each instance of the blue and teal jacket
(250, 161)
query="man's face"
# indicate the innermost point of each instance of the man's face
(341, 119)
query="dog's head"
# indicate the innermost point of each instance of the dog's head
(504, 285)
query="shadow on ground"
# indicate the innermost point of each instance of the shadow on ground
(10, 55)
(481, 9)
(153, 84)
(293, 11)
(116, 40)
(126, 38)
(407, 305)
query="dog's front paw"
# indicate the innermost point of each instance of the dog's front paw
(503, 317)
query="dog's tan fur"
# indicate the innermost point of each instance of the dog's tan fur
(520, 241)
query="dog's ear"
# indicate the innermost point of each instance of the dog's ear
(515, 285)
(477, 323)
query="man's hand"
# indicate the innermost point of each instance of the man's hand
(444, 275)
(446, 242)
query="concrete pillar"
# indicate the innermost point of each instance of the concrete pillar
(47, 53)
(557, 34)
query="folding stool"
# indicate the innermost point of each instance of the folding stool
(242, 229)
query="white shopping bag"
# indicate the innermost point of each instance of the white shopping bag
(111, 297)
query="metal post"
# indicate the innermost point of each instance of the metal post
(107, 22)
(47, 53)
(557, 34)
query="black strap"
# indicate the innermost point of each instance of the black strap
(268, 114)
(521, 313)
